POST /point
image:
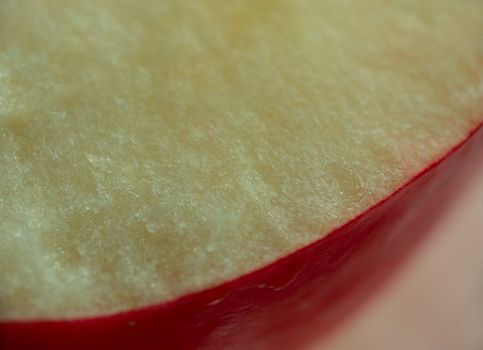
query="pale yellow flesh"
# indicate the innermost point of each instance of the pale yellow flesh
(153, 148)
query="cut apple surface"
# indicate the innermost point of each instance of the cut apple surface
(151, 149)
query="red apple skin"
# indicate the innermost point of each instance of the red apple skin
(321, 283)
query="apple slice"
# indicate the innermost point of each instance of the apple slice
(233, 164)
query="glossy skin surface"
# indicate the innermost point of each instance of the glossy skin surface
(325, 280)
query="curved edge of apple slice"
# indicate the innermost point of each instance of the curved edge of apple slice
(322, 283)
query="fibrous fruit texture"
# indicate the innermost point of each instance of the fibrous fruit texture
(149, 149)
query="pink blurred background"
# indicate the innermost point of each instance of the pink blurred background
(435, 301)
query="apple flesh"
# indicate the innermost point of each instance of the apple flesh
(153, 151)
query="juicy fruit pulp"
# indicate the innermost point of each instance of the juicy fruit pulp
(152, 148)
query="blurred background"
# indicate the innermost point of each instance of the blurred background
(435, 301)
